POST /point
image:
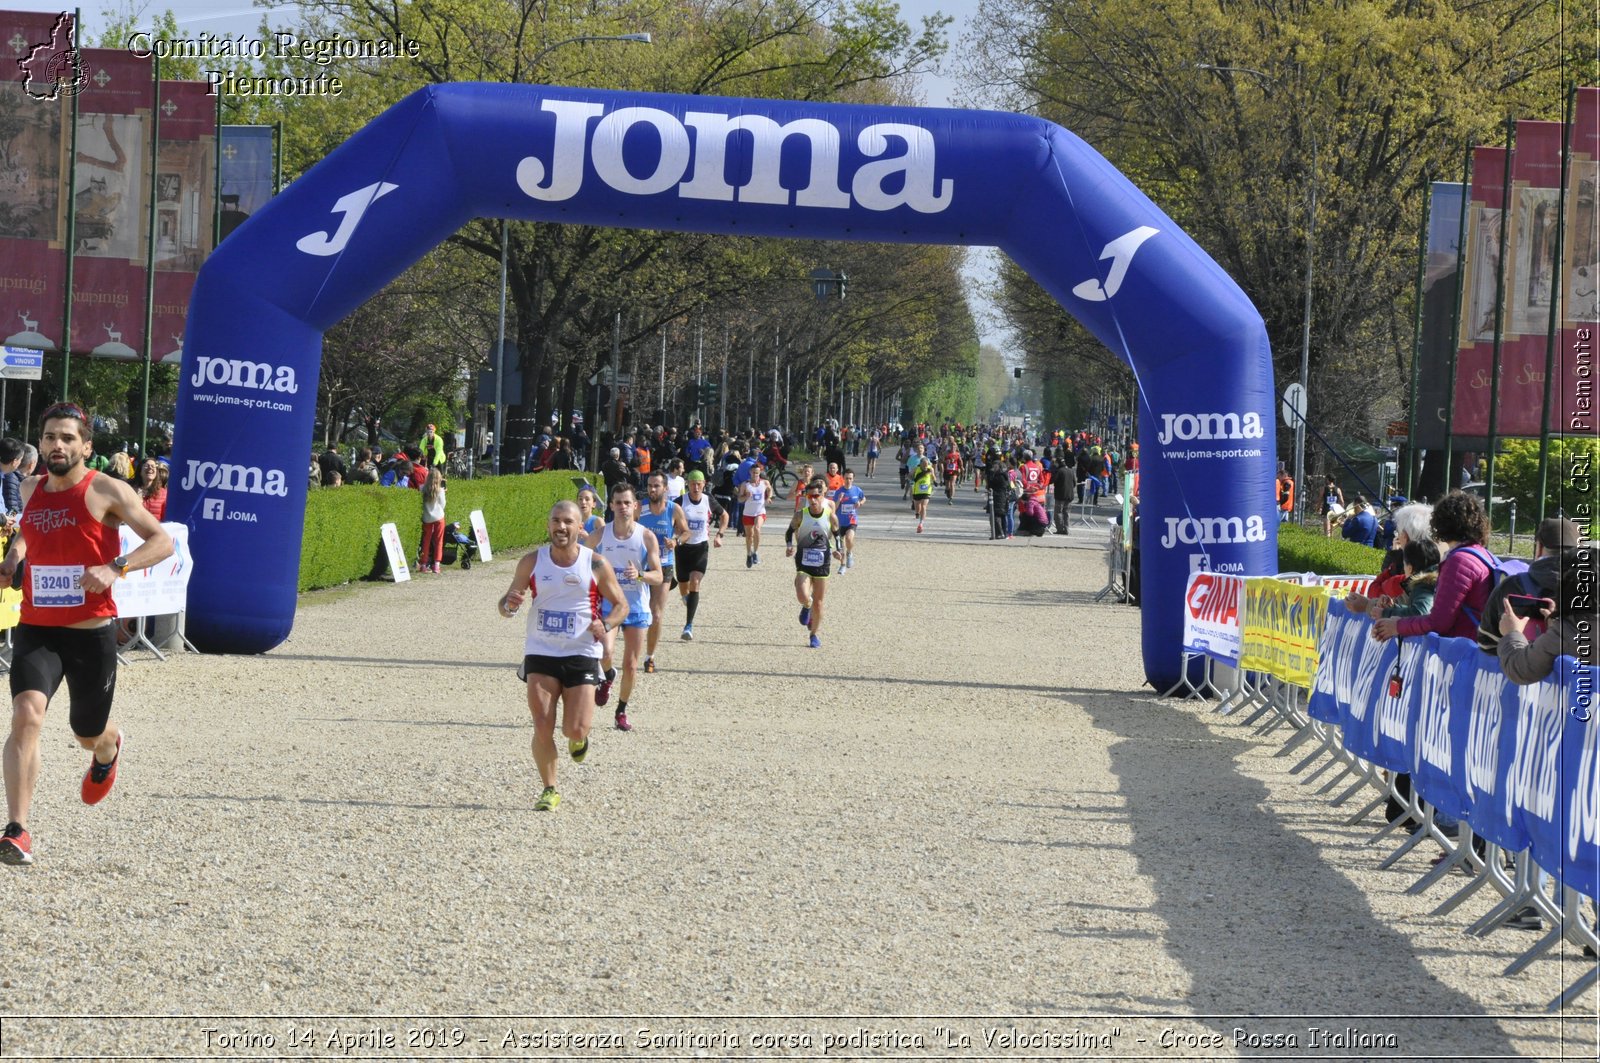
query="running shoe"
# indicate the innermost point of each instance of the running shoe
(816, 643)
(97, 781)
(548, 801)
(749, 560)
(622, 722)
(805, 617)
(602, 693)
(578, 750)
(919, 527)
(755, 559)
(650, 665)
(16, 846)
(688, 633)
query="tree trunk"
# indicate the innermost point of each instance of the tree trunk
(569, 398)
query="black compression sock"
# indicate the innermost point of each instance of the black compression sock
(691, 602)
(622, 707)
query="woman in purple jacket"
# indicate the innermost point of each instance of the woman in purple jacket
(1460, 527)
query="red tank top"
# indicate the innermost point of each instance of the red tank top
(63, 540)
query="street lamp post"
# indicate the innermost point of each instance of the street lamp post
(1305, 316)
(500, 345)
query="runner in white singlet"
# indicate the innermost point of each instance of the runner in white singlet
(631, 549)
(565, 582)
(753, 494)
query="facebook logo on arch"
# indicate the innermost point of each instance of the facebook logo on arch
(212, 509)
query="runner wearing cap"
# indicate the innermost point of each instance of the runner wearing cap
(694, 552)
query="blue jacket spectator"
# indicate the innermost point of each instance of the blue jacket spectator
(1361, 526)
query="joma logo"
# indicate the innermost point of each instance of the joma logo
(699, 169)
(245, 479)
(1191, 530)
(260, 376)
(1189, 426)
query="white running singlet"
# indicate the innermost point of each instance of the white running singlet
(564, 602)
(699, 518)
(619, 552)
(756, 504)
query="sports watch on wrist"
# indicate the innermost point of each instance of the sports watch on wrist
(120, 563)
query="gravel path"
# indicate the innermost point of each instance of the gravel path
(961, 819)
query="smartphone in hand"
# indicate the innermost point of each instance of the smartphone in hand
(1527, 606)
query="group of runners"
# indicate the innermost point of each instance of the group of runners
(598, 578)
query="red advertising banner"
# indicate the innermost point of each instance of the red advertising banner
(110, 197)
(1530, 276)
(35, 65)
(185, 206)
(1475, 345)
(1575, 380)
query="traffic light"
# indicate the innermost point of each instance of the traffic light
(710, 392)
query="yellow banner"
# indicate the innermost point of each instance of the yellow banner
(10, 608)
(1283, 625)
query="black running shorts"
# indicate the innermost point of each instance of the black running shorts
(86, 657)
(577, 671)
(692, 558)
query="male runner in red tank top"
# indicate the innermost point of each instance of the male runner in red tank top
(68, 537)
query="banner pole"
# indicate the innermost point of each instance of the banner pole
(150, 255)
(1557, 294)
(1455, 321)
(72, 223)
(1416, 334)
(216, 192)
(1499, 321)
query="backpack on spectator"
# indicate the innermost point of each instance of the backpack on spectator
(1509, 568)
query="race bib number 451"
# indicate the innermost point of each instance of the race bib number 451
(558, 622)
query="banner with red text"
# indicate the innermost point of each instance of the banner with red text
(1213, 615)
(110, 195)
(36, 84)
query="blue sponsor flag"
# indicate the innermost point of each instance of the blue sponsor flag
(247, 168)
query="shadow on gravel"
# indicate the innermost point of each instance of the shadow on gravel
(1261, 924)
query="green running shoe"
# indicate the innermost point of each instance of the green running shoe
(578, 750)
(548, 801)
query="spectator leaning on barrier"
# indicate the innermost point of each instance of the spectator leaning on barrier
(1464, 579)
(1410, 526)
(1420, 583)
(1554, 537)
(1572, 620)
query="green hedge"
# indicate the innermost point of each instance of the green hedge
(1300, 550)
(342, 541)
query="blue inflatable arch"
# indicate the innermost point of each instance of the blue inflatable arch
(449, 153)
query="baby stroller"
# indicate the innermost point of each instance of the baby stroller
(457, 543)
